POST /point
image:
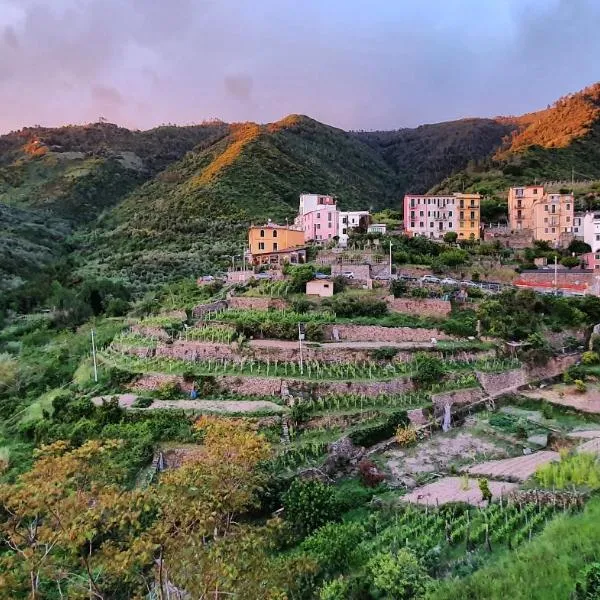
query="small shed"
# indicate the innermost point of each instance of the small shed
(319, 287)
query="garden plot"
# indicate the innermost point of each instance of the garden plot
(456, 489)
(585, 434)
(436, 454)
(519, 468)
(211, 406)
(566, 395)
(592, 446)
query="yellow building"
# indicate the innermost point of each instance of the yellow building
(275, 244)
(549, 216)
(468, 222)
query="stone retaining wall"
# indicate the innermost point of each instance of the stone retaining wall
(455, 398)
(377, 333)
(258, 303)
(196, 351)
(203, 309)
(426, 307)
(152, 332)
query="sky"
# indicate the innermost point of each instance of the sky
(355, 64)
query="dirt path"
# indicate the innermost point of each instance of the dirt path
(343, 345)
(220, 406)
(519, 468)
(453, 489)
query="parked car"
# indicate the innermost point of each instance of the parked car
(430, 279)
(381, 277)
(263, 276)
(449, 281)
(469, 284)
(321, 276)
(348, 274)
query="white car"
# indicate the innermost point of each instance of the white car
(449, 281)
(348, 274)
(430, 279)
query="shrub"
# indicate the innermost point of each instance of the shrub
(398, 288)
(344, 306)
(308, 505)
(484, 488)
(419, 292)
(475, 276)
(580, 386)
(454, 258)
(580, 469)
(398, 575)
(142, 403)
(569, 261)
(336, 589)
(405, 436)
(368, 436)
(590, 358)
(168, 390)
(385, 353)
(429, 369)
(369, 474)
(450, 237)
(588, 587)
(302, 305)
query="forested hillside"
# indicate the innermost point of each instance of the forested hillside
(150, 206)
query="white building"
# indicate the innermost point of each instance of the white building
(310, 202)
(350, 220)
(591, 230)
(377, 228)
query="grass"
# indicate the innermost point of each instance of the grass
(545, 569)
(575, 470)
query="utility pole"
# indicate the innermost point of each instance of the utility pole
(301, 334)
(94, 357)
(555, 274)
(390, 260)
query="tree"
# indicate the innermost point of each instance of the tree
(570, 261)
(450, 237)
(398, 576)
(429, 369)
(308, 505)
(578, 247)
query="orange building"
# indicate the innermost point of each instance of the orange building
(468, 222)
(275, 244)
(549, 216)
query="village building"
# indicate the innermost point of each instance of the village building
(273, 244)
(319, 287)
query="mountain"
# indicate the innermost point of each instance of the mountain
(186, 220)
(152, 206)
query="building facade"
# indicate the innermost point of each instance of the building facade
(348, 220)
(310, 202)
(550, 216)
(434, 216)
(320, 225)
(274, 244)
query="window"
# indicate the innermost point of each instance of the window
(568, 219)
(429, 213)
(450, 214)
(545, 219)
(472, 224)
(535, 191)
(318, 215)
(546, 207)
(421, 224)
(274, 232)
(329, 217)
(274, 246)
(412, 226)
(326, 286)
(318, 225)
(546, 230)
(262, 233)
(568, 207)
(412, 215)
(449, 225)
(553, 211)
(519, 214)
(472, 214)
(431, 225)
(345, 230)
(597, 238)
(261, 245)
(421, 214)
(553, 230)
(462, 215)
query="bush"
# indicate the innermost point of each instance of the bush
(454, 258)
(429, 369)
(580, 469)
(398, 575)
(405, 436)
(450, 237)
(580, 386)
(336, 589)
(368, 436)
(370, 476)
(590, 358)
(385, 353)
(569, 261)
(419, 292)
(142, 403)
(168, 390)
(348, 307)
(309, 505)
(398, 288)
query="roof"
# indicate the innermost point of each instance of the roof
(276, 226)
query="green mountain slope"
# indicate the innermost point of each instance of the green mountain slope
(426, 155)
(189, 217)
(556, 144)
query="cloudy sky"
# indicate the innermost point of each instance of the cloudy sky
(360, 64)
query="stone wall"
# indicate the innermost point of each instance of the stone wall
(157, 333)
(455, 398)
(203, 309)
(498, 383)
(427, 307)
(361, 272)
(258, 303)
(377, 333)
(196, 351)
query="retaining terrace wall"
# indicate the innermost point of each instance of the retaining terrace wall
(426, 307)
(152, 332)
(455, 398)
(203, 309)
(258, 303)
(377, 333)
(196, 351)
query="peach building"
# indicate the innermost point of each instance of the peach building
(468, 207)
(274, 244)
(550, 216)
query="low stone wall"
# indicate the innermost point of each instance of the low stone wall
(361, 272)
(455, 398)
(377, 333)
(203, 309)
(258, 303)
(152, 332)
(427, 307)
(498, 383)
(196, 351)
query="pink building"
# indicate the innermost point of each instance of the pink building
(321, 224)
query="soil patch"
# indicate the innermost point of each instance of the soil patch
(456, 489)
(519, 468)
(567, 396)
